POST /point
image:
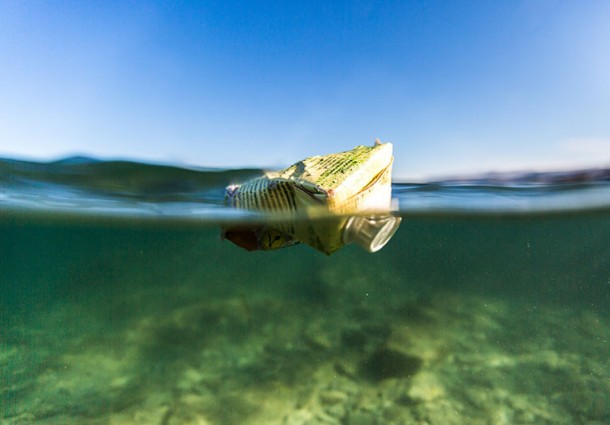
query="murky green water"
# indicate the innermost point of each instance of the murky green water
(489, 306)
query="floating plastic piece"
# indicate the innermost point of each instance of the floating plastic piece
(330, 201)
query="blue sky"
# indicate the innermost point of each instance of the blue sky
(457, 86)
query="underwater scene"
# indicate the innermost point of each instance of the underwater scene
(121, 304)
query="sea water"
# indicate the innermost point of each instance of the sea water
(119, 304)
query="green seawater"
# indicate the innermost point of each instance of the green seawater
(465, 317)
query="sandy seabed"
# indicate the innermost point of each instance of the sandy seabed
(444, 358)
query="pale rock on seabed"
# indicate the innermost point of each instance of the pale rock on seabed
(444, 358)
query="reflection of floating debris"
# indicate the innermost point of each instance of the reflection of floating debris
(353, 186)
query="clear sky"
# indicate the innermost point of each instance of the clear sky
(457, 86)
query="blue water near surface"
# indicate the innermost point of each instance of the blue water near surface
(120, 304)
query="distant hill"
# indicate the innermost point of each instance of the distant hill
(588, 175)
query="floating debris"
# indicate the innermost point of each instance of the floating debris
(333, 199)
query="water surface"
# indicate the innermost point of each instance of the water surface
(119, 303)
